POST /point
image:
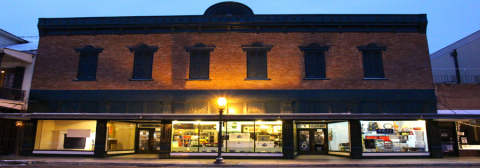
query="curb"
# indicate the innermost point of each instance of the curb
(36, 162)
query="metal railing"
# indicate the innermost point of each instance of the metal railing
(12, 93)
(453, 75)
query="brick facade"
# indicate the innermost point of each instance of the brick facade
(406, 61)
(458, 96)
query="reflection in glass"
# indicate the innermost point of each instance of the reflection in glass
(76, 135)
(338, 136)
(121, 136)
(143, 140)
(240, 136)
(156, 138)
(304, 141)
(268, 136)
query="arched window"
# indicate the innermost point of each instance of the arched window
(143, 62)
(87, 64)
(372, 61)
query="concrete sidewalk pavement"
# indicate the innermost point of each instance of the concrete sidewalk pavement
(300, 161)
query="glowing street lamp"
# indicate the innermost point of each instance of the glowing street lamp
(222, 102)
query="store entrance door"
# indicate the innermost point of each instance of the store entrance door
(312, 141)
(148, 141)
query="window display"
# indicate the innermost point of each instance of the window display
(467, 136)
(121, 136)
(238, 136)
(394, 136)
(339, 137)
(76, 135)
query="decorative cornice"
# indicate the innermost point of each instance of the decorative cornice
(257, 46)
(393, 23)
(200, 46)
(143, 47)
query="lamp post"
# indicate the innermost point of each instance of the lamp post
(222, 102)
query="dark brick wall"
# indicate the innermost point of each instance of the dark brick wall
(406, 61)
(458, 96)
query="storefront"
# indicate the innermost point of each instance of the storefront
(460, 138)
(394, 138)
(240, 138)
(320, 138)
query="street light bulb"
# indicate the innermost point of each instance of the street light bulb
(222, 102)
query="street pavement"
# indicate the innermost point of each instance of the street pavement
(300, 161)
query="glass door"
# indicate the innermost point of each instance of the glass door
(148, 140)
(312, 141)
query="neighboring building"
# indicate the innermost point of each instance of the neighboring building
(456, 71)
(17, 57)
(354, 85)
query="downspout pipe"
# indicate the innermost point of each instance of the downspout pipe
(457, 70)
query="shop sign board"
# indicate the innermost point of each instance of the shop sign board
(384, 131)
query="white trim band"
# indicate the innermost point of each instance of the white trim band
(228, 154)
(396, 154)
(64, 152)
(120, 152)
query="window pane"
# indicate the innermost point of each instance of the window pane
(262, 70)
(320, 70)
(88, 107)
(320, 107)
(392, 107)
(204, 69)
(309, 56)
(310, 70)
(205, 57)
(268, 137)
(368, 70)
(370, 107)
(255, 108)
(117, 107)
(121, 136)
(251, 70)
(340, 107)
(199, 108)
(273, 107)
(78, 135)
(92, 69)
(208, 138)
(367, 56)
(135, 107)
(68, 107)
(319, 58)
(340, 136)
(240, 136)
(185, 136)
(180, 108)
(303, 107)
(378, 70)
(262, 57)
(154, 107)
(252, 57)
(394, 136)
(194, 73)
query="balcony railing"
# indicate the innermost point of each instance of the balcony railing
(12, 93)
(449, 75)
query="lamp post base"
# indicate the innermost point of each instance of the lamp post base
(219, 161)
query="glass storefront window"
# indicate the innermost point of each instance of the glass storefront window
(240, 136)
(185, 136)
(339, 137)
(208, 140)
(65, 135)
(121, 136)
(268, 136)
(394, 136)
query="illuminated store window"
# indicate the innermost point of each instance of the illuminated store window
(240, 136)
(339, 137)
(76, 135)
(121, 136)
(185, 136)
(394, 136)
(208, 138)
(268, 136)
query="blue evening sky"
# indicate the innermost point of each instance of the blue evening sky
(449, 20)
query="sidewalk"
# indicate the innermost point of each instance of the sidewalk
(301, 161)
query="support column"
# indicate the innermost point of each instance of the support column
(28, 143)
(165, 139)
(100, 150)
(356, 147)
(287, 134)
(433, 136)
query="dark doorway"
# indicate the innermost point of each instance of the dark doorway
(312, 141)
(148, 141)
(8, 134)
(448, 138)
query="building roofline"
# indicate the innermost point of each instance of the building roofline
(455, 45)
(236, 23)
(16, 38)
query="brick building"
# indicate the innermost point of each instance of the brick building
(354, 85)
